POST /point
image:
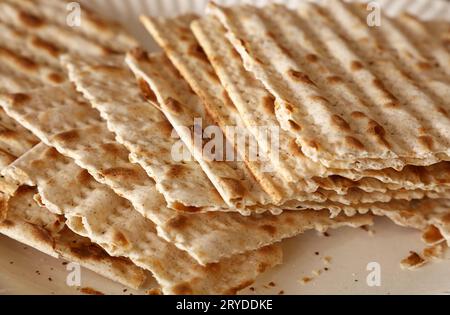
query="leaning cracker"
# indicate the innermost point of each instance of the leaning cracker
(326, 134)
(96, 212)
(175, 37)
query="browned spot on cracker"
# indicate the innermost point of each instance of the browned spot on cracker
(443, 111)
(300, 77)
(140, 54)
(271, 230)
(175, 171)
(180, 222)
(306, 280)
(21, 61)
(356, 65)
(394, 104)
(358, 115)
(165, 127)
(313, 144)
(378, 131)
(84, 177)
(7, 223)
(45, 45)
(334, 79)
(354, 143)
(154, 292)
(51, 153)
(30, 20)
(180, 207)
(318, 98)
(379, 85)
(120, 239)
(183, 289)
(427, 142)
(262, 267)
(312, 58)
(174, 106)
(295, 148)
(90, 291)
(294, 126)
(425, 66)
(340, 123)
(42, 234)
(56, 78)
(197, 51)
(68, 136)
(234, 185)
(269, 104)
(147, 91)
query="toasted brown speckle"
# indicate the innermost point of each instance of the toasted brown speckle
(47, 46)
(68, 136)
(90, 291)
(340, 123)
(120, 239)
(354, 143)
(300, 77)
(18, 99)
(269, 229)
(427, 142)
(183, 289)
(146, 91)
(174, 106)
(140, 54)
(269, 104)
(56, 78)
(30, 20)
(358, 115)
(334, 79)
(294, 126)
(356, 65)
(312, 58)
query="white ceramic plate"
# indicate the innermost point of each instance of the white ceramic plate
(26, 271)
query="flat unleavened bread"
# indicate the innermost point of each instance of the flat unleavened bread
(75, 130)
(93, 210)
(163, 79)
(182, 48)
(35, 226)
(143, 130)
(62, 37)
(146, 133)
(256, 106)
(313, 95)
(107, 33)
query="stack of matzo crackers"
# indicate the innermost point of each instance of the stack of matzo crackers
(91, 125)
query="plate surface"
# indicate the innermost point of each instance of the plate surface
(346, 253)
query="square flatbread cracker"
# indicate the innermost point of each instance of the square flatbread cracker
(341, 90)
